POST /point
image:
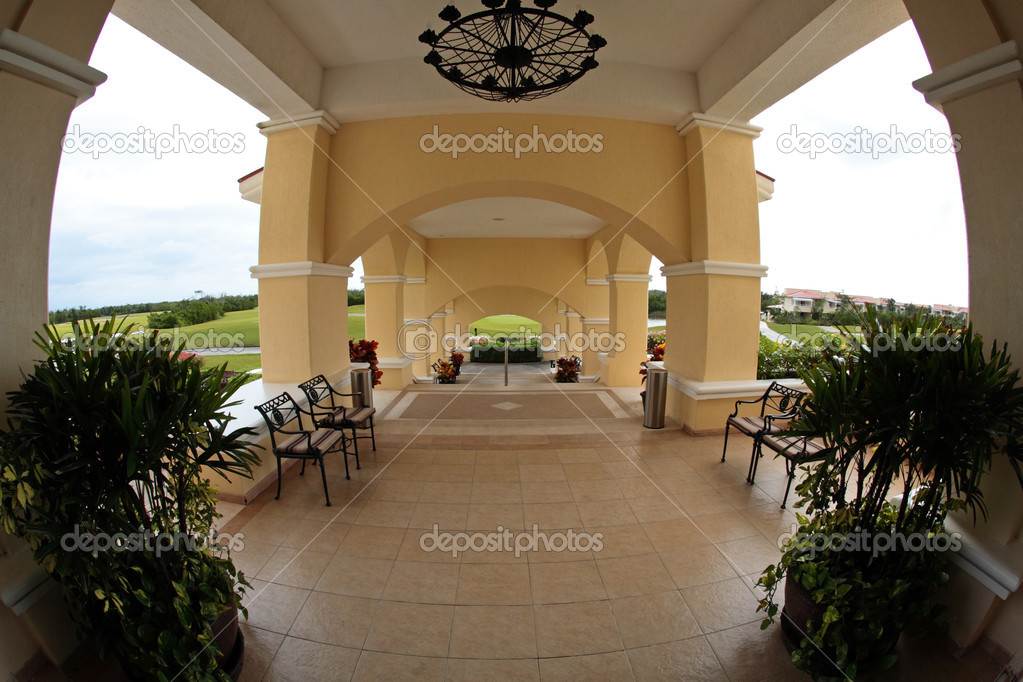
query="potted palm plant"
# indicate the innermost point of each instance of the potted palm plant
(910, 422)
(104, 472)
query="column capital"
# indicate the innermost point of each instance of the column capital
(572, 313)
(415, 280)
(986, 69)
(596, 282)
(714, 267)
(320, 118)
(384, 279)
(696, 120)
(596, 320)
(41, 63)
(300, 269)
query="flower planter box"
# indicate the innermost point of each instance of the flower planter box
(515, 355)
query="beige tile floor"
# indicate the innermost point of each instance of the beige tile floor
(348, 592)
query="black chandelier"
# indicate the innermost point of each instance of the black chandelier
(510, 53)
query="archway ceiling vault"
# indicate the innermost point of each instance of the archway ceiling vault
(664, 59)
(506, 217)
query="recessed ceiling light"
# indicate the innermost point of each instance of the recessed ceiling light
(498, 219)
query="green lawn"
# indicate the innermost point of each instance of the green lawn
(356, 327)
(235, 363)
(357, 309)
(657, 329)
(135, 318)
(504, 324)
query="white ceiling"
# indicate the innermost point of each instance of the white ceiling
(673, 34)
(516, 217)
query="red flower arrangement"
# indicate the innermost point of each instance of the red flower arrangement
(568, 371)
(446, 373)
(456, 360)
(656, 356)
(366, 351)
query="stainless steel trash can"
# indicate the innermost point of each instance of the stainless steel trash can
(656, 395)
(362, 382)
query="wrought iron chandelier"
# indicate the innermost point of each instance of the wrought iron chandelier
(510, 53)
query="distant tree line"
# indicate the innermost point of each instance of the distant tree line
(190, 309)
(356, 296)
(657, 305)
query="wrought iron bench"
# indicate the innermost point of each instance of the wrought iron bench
(301, 443)
(331, 414)
(796, 450)
(777, 400)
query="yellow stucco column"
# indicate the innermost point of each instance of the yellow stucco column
(438, 325)
(593, 328)
(303, 302)
(713, 313)
(385, 317)
(628, 302)
(973, 47)
(574, 331)
(33, 118)
(45, 74)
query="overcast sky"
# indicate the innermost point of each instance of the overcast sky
(130, 227)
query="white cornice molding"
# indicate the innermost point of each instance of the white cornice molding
(714, 267)
(572, 313)
(41, 63)
(251, 188)
(1000, 64)
(765, 188)
(384, 279)
(720, 390)
(625, 277)
(320, 118)
(693, 121)
(415, 280)
(300, 269)
(594, 282)
(596, 320)
(393, 363)
(438, 316)
(417, 320)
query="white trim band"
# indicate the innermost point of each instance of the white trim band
(41, 63)
(1000, 64)
(693, 121)
(572, 313)
(714, 267)
(321, 118)
(415, 280)
(619, 277)
(301, 269)
(394, 363)
(596, 320)
(438, 316)
(384, 279)
(720, 390)
(594, 282)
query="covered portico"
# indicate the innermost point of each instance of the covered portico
(347, 176)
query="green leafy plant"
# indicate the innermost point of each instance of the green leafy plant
(111, 438)
(916, 414)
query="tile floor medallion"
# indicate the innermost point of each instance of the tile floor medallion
(396, 580)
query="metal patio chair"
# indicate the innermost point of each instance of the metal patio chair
(300, 443)
(778, 402)
(331, 414)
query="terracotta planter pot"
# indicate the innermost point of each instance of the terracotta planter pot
(228, 637)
